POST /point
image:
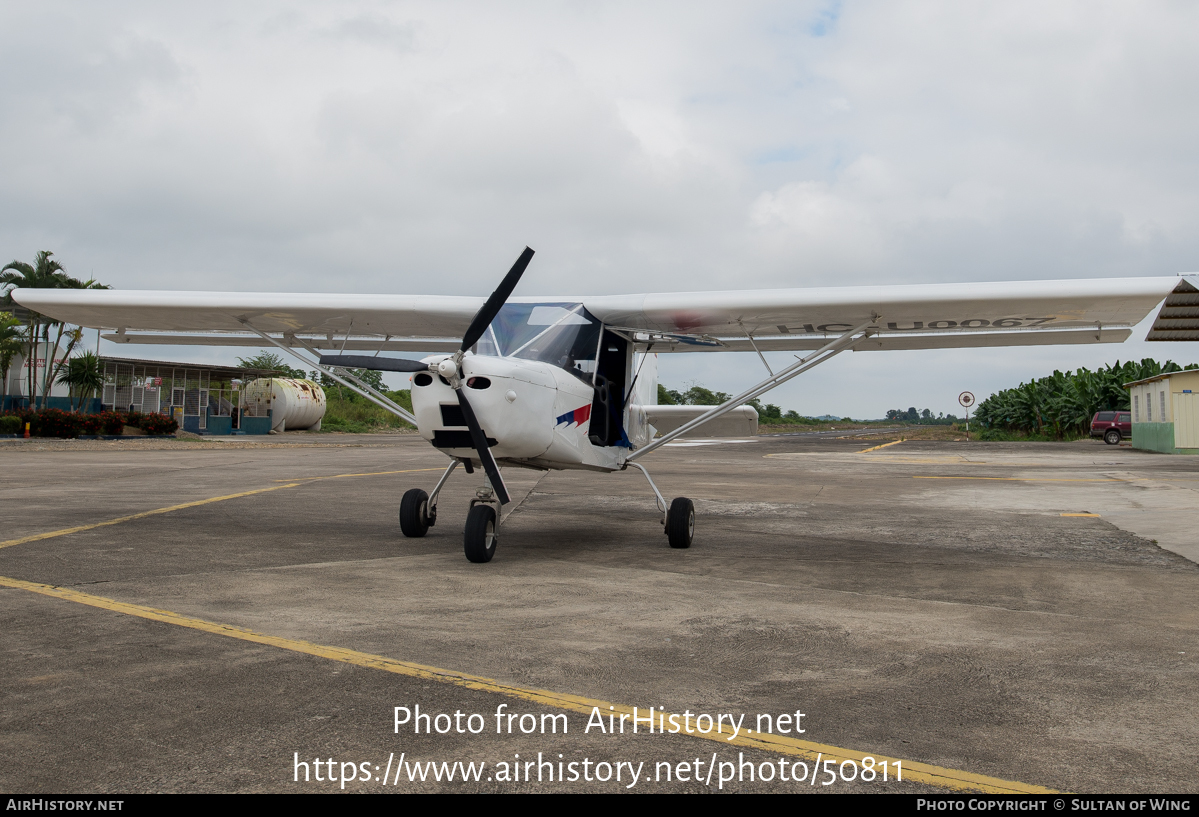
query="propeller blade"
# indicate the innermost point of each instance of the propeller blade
(487, 313)
(379, 364)
(480, 440)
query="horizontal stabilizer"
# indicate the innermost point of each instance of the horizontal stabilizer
(740, 422)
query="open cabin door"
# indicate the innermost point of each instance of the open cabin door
(611, 383)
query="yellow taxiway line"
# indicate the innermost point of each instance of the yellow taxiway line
(1024, 479)
(914, 771)
(292, 483)
(877, 447)
(783, 744)
(367, 474)
(78, 528)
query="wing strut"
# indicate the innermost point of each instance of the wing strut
(822, 354)
(361, 388)
(750, 335)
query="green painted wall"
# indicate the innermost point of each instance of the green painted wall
(1154, 437)
(1157, 437)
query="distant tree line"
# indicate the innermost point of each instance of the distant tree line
(924, 417)
(1063, 404)
(768, 414)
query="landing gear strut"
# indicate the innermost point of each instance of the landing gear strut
(679, 519)
(418, 513)
(418, 510)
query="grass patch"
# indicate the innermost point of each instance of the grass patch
(351, 413)
(998, 435)
(767, 425)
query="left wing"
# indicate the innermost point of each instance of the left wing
(922, 316)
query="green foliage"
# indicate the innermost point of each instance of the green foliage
(697, 395)
(49, 423)
(44, 273)
(10, 345)
(924, 417)
(83, 376)
(371, 377)
(58, 423)
(106, 422)
(999, 435)
(350, 412)
(1061, 405)
(157, 424)
(272, 362)
(768, 414)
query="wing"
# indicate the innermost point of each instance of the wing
(905, 317)
(422, 322)
(930, 316)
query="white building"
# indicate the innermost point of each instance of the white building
(1165, 412)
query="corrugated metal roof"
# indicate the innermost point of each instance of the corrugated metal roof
(1178, 318)
(211, 367)
(1163, 376)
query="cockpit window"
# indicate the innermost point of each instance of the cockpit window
(562, 334)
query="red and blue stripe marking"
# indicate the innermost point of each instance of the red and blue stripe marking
(576, 417)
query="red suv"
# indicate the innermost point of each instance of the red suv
(1112, 426)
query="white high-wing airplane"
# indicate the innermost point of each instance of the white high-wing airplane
(571, 382)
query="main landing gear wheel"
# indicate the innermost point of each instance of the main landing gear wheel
(680, 523)
(1112, 437)
(479, 540)
(414, 513)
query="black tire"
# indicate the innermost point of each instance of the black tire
(414, 513)
(680, 523)
(1111, 437)
(480, 538)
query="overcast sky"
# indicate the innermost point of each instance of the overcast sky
(418, 147)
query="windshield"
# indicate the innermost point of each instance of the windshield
(562, 334)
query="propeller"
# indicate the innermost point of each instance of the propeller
(451, 368)
(381, 364)
(453, 371)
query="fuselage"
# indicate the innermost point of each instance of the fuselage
(538, 414)
(550, 385)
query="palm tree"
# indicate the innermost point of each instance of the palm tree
(40, 275)
(44, 273)
(10, 345)
(82, 375)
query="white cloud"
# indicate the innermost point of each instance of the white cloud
(417, 146)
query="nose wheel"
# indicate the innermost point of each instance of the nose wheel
(480, 538)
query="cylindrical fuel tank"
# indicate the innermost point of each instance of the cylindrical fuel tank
(295, 404)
